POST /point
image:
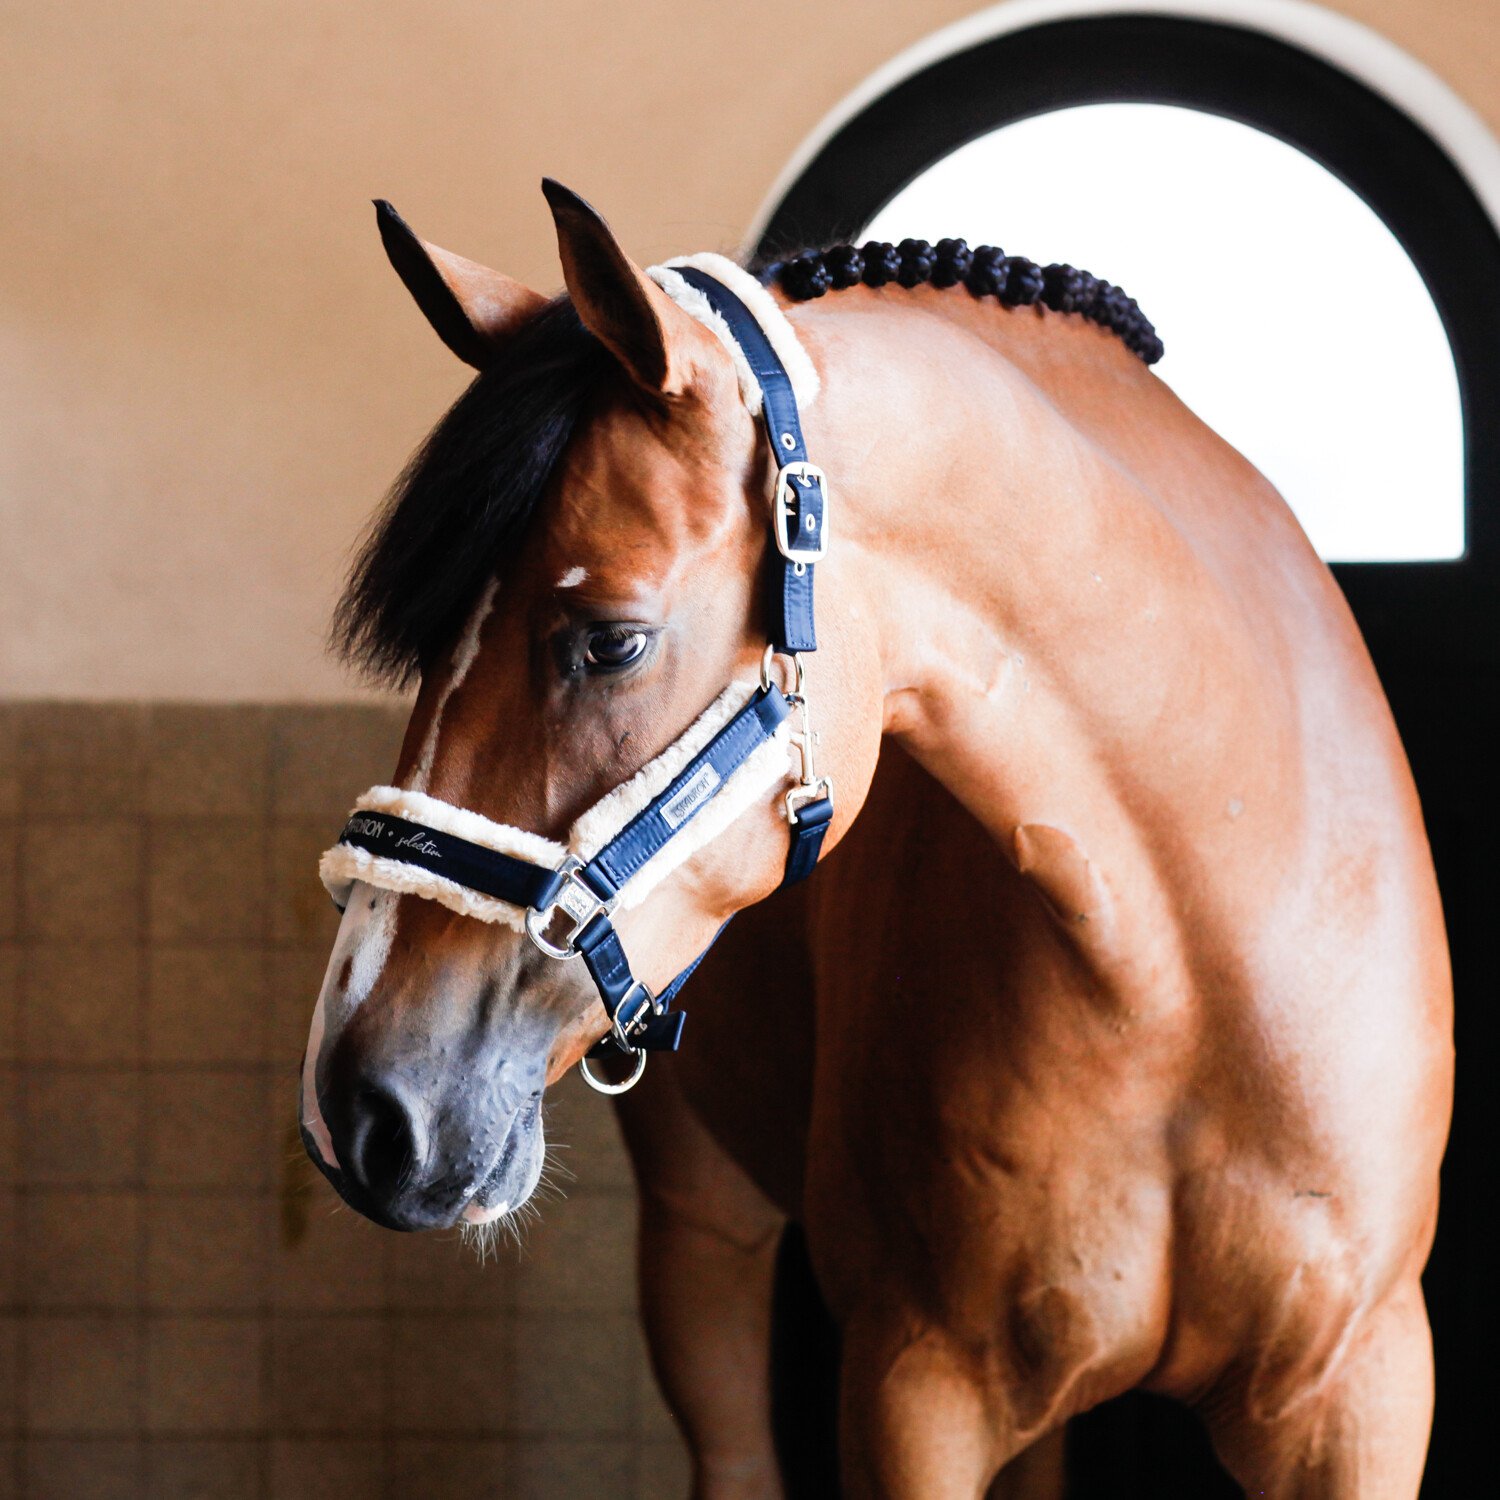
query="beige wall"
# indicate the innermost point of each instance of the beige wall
(208, 375)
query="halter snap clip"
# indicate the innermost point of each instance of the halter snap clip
(810, 786)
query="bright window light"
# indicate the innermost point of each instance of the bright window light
(1295, 324)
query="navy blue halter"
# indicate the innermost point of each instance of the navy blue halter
(799, 522)
(568, 909)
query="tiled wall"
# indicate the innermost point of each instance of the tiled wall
(185, 1310)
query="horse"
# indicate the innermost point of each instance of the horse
(1110, 1045)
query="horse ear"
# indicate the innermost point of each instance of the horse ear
(656, 341)
(474, 310)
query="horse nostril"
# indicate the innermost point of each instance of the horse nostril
(385, 1142)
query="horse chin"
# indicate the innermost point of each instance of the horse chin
(515, 1175)
(488, 1214)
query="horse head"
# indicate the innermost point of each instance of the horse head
(573, 568)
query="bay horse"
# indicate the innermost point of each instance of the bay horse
(1111, 1049)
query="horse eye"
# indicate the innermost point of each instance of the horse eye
(614, 646)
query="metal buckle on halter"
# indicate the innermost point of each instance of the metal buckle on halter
(622, 1034)
(577, 900)
(636, 1017)
(811, 534)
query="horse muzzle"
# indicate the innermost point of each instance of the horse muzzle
(409, 1166)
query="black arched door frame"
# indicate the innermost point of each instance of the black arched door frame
(1433, 628)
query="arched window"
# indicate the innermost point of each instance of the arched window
(1381, 147)
(1342, 392)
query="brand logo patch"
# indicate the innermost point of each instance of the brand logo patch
(691, 797)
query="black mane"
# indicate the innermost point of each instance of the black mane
(986, 272)
(465, 499)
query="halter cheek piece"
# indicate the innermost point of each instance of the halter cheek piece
(568, 907)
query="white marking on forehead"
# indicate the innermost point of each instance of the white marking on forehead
(572, 578)
(463, 658)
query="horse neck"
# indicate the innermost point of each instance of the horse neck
(990, 526)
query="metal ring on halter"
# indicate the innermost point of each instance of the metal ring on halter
(601, 1087)
(765, 672)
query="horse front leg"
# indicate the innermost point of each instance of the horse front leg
(919, 1421)
(707, 1257)
(1360, 1433)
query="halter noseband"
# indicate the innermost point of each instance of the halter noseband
(568, 905)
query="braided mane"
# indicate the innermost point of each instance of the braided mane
(986, 272)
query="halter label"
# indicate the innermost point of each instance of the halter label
(375, 829)
(690, 798)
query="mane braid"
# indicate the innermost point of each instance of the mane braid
(461, 507)
(986, 272)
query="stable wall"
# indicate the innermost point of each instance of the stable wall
(208, 374)
(186, 1310)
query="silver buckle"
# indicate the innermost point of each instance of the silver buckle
(652, 1007)
(809, 546)
(623, 1035)
(576, 900)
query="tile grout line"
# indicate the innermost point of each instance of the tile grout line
(271, 1200)
(145, 747)
(22, 1107)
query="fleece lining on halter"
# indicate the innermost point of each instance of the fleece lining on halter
(779, 332)
(761, 772)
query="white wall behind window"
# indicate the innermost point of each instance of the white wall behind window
(1294, 323)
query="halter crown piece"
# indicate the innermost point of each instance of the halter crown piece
(563, 896)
